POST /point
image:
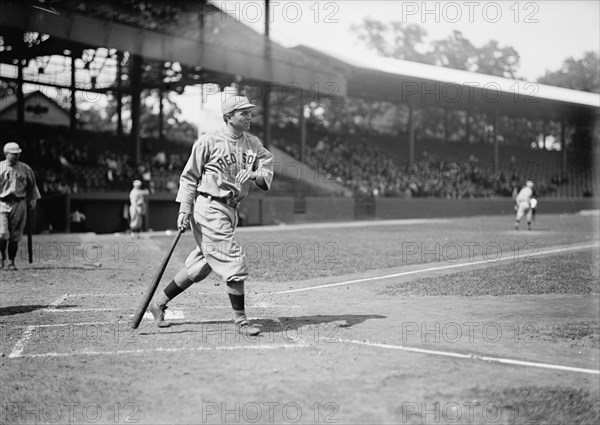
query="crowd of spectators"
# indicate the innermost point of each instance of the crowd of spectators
(372, 172)
(369, 171)
(65, 167)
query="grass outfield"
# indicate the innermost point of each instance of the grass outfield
(443, 321)
(289, 255)
(574, 273)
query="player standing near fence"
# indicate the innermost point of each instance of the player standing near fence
(137, 207)
(216, 178)
(18, 193)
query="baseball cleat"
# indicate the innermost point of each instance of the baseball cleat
(245, 328)
(159, 314)
(11, 267)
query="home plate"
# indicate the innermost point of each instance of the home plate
(169, 315)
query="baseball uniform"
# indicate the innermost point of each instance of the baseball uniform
(216, 178)
(208, 187)
(523, 201)
(137, 207)
(18, 191)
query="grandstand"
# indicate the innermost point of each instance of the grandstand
(489, 162)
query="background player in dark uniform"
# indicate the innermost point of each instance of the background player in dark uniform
(18, 192)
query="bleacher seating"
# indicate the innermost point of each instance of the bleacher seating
(370, 164)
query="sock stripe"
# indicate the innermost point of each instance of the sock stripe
(172, 290)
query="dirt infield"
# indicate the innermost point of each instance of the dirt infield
(441, 321)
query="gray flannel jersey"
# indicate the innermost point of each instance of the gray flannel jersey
(215, 160)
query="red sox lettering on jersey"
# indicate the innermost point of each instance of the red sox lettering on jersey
(217, 158)
(231, 159)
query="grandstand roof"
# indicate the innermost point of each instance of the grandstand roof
(399, 81)
(193, 33)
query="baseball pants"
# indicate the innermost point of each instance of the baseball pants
(524, 208)
(213, 225)
(13, 216)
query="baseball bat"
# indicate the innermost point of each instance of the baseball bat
(29, 236)
(137, 318)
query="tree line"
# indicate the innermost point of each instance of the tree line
(407, 42)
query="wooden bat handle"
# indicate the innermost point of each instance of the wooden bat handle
(29, 235)
(137, 318)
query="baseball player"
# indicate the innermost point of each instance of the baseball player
(216, 178)
(18, 192)
(523, 206)
(137, 207)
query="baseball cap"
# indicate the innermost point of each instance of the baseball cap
(12, 147)
(234, 103)
(529, 183)
(137, 182)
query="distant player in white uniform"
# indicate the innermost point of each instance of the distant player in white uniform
(525, 204)
(216, 178)
(137, 207)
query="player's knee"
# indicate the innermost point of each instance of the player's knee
(198, 271)
(16, 237)
(235, 287)
(203, 274)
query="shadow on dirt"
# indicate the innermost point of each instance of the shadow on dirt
(85, 266)
(322, 324)
(18, 309)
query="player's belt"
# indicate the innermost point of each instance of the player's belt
(11, 199)
(229, 202)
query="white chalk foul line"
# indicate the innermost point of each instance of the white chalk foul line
(100, 295)
(58, 325)
(17, 350)
(75, 310)
(168, 350)
(474, 357)
(19, 346)
(56, 302)
(429, 269)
